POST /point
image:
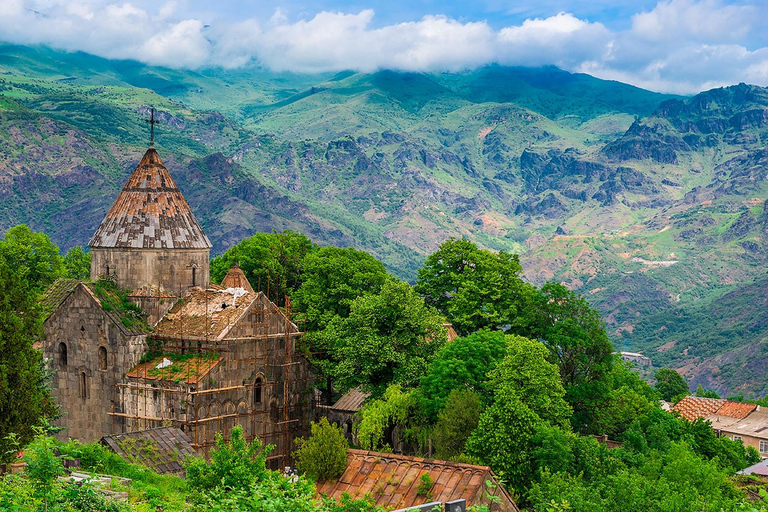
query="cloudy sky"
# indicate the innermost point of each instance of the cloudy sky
(681, 46)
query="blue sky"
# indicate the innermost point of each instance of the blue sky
(681, 46)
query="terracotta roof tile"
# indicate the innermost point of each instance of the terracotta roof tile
(736, 409)
(150, 213)
(393, 480)
(692, 407)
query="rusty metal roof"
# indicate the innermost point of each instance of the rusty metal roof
(692, 407)
(351, 402)
(150, 213)
(393, 481)
(163, 449)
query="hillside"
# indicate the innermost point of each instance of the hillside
(650, 205)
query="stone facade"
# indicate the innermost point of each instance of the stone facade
(208, 357)
(169, 270)
(90, 350)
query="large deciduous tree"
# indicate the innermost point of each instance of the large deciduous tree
(388, 338)
(527, 395)
(332, 279)
(578, 344)
(33, 256)
(272, 262)
(24, 399)
(473, 288)
(670, 384)
(462, 364)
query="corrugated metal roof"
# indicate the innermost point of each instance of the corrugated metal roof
(150, 213)
(692, 407)
(163, 449)
(351, 402)
(393, 481)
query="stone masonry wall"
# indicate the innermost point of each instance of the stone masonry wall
(169, 269)
(98, 353)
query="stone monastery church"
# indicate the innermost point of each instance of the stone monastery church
(149, 342)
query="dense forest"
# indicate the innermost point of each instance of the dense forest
(525, 388)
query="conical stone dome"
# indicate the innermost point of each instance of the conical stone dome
(150, 213)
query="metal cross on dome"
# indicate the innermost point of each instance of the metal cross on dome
(152, 124)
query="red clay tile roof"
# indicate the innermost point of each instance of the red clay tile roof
(150, 213)
(736, 409)
(692, 407)
(393, 480)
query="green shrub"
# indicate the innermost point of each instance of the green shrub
(324, 455)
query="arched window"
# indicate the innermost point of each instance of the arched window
(102, 358)
(83, 387)
(63, 354)
(194, 275)
(257, 387)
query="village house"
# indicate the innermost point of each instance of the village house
(734, 420)
(149, 342)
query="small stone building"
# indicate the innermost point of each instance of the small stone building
(149, 342)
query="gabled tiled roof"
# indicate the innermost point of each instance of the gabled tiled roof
(736, 409)
(692, 407)
(393, 481)
(150, 213)
(163, 449)
(55, 295)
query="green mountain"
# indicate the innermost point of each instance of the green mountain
(650, 205)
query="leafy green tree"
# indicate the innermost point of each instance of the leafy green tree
(473, 288)
(272, 262)
(706, 393)
(395, 408)
(456, 422)
(389, 337)
(33, 256)
(670, 384)
(77, 263)
(323, 456)
(527, 395)
(233, 465)
(332, 279)
(24, 400)
(579, 346)
(43, 467)
(463, 363)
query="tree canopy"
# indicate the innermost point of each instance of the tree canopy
(473, 288)
(389, 337)
(272, 262)
(670, 384)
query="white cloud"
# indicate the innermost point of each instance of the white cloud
(679, 46)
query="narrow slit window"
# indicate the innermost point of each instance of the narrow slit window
(194, 276)
(63, 353)
(83, 391)
(102, 358)
(257, 391)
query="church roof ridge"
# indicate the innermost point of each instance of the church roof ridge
(150, 213)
